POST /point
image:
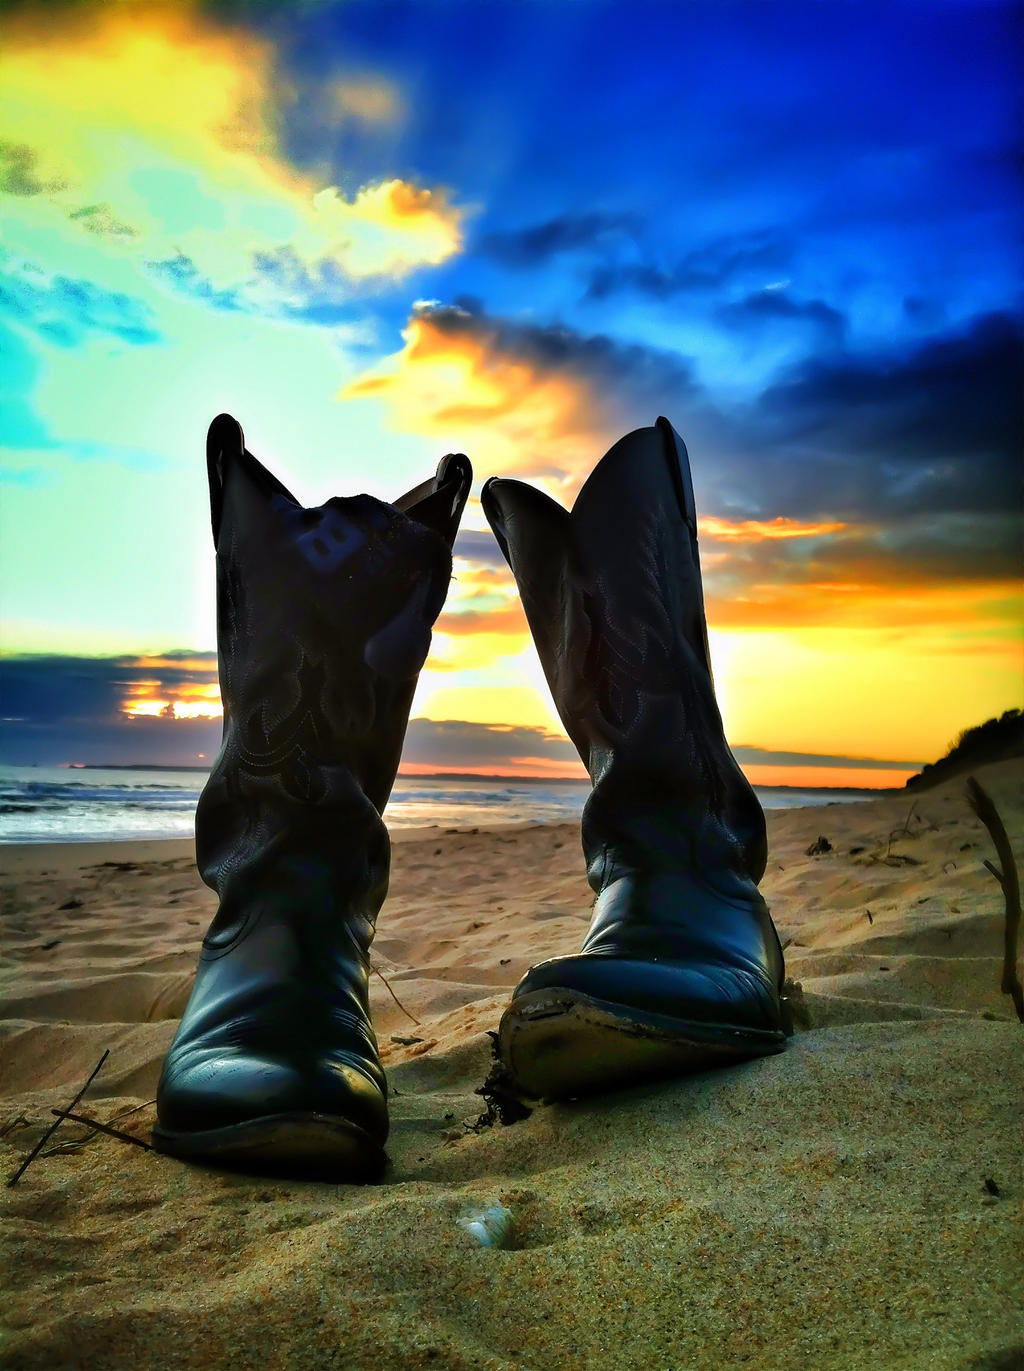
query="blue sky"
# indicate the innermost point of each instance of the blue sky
(378, 231)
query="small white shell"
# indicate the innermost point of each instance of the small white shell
(492, 1227)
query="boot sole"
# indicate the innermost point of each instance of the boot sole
(304, 1146)
(558, 1044)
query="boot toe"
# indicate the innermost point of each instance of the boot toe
(246, 1108)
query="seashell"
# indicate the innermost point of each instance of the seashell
(492, 1227)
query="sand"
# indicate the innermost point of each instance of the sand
(852, 1203)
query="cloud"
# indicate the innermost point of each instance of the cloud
(858, 489)
(63, 708)
(453, 744)
(156, 129)
(101, 221)
(758, 530)
(951, 396)
(882, 438)
(42, 687)
(20, 426)
(280, 284)
(182, 274)
(479, 548)
(759, 756)
(506, 620)
(394, 228)
(771, 306)
(593, 230)
(65, 310)
(370, 99)
(974, 612)
(457, 744)
(18, 163)
(952, 569)
(537, 400)
(706, 267)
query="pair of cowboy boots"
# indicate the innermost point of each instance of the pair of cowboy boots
(324, 621)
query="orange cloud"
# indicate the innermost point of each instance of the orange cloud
(167, 691)
(513, 413)
(852, 604)
(507, 620)
(148, 699)
(156, 662)
(756, 530)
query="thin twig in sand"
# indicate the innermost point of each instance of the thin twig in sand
(984, 806)
(397, 1001)
(53, 1127)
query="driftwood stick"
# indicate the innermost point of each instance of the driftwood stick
(984, 806)
(397, 1001)
(102, 1128)
(62, 1114)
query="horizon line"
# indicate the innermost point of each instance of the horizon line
(459, 775)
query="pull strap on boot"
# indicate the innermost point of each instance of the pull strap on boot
(682, 967)
(324, 621)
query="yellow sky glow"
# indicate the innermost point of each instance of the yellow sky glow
(158, 130)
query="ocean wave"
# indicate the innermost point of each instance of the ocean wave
(54, 807)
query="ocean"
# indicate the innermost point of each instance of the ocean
(98, 804)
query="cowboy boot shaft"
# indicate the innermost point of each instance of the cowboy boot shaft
(613, 596)
(324, 620)
(307, 599)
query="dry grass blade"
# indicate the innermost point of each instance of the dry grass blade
(98, 1129)
(901, 832)
(984, 806)
(377, 971)
(102, 1128)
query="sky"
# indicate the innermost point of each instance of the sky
(380, 232)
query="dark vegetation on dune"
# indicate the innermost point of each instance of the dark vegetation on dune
(993, 741)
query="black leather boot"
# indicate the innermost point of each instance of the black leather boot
(682, 967)
(324, 620)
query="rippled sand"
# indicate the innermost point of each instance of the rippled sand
(853, 1203)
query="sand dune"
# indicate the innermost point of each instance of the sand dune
(852, 1203)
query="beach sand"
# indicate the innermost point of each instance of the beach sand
(852, 1203)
